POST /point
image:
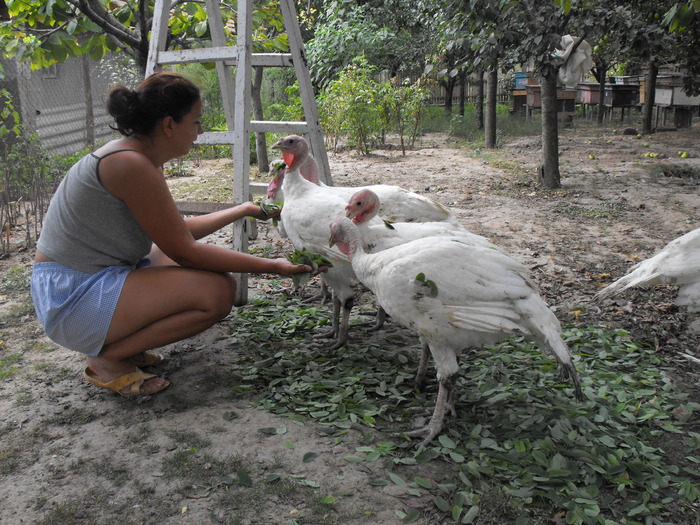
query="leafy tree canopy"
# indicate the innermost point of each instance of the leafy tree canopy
(49, 31)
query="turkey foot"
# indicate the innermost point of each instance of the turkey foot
(443, 403)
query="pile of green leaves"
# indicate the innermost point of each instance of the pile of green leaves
(309, 258)
(625, 455)
(269, 207)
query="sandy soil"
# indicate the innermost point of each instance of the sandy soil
(71, 453)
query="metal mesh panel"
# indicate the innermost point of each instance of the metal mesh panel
(65, 104)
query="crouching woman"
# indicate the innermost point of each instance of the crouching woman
(118, 271)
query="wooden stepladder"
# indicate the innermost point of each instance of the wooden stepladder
(236, 95)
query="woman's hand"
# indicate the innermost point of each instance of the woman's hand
(286, 268)
(262, 211)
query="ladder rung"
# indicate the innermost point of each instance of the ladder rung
(222, 138)
(272, 126)
(216, 138)
(257, 188)
(227, 54)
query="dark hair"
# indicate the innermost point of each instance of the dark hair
(161, 95)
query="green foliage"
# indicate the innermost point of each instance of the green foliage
(405, 103)
(29, 177)
(287, 106)
(352, 107)
(345, 35)
(8, 363)
(71, 33)
(9, 117)
(680, 16)
(393, 35)
(361, 110)
(314, 260)
(46, 32)
(625, 455)
(507, 126)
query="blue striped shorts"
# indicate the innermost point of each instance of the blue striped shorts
(76, 308)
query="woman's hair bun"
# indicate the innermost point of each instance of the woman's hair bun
(163, 94)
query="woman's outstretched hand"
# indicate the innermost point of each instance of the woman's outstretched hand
(263, 211)
(288, 269)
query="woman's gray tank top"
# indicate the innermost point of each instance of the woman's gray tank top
(88, 229)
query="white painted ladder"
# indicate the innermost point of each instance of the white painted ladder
(236, 96)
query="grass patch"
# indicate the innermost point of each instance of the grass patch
(519, 432)
(205, 189)
(53, 373)
(8, 364)
(73, 416)
(606, 212)
(65, 514)
(669, 169)
(188, 439)
(15, 279)
(24, 398)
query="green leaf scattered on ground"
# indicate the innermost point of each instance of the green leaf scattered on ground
(624, 455)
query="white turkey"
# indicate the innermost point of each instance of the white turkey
(677, 263)
(308, 208)
(455, 295)
(362, 209)
(397, 203)
(364, 205)
(314, 204)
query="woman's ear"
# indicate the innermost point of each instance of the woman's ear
(167, 125)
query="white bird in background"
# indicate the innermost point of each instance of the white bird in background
(276, 167)
(364, 205)
(397, 203)
(678, 263)
(455, 296)
(316, 203)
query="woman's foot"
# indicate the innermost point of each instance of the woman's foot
(105, 373)
(145, 359)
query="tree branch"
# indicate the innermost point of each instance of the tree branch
(96, 13)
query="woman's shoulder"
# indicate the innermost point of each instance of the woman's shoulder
(114, 147)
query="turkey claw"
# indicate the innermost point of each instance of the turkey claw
(429, 431)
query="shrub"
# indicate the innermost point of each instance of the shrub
(353, 107)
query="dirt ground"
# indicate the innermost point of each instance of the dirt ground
(71, 453)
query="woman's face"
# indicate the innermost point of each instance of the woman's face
(189, 128)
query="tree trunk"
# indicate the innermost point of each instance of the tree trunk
(602, 68)
(491, 101)
(650, 89)
(256, 100)
(462, 91)
(449, 85)
(479, 100)
(549, 170)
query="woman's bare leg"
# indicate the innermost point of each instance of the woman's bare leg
(158, 306)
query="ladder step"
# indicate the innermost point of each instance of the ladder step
(227, 54)
(201, 208)
(273, 126)
(222, 138)
(257, 188)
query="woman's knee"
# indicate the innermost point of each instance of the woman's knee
(223, 294)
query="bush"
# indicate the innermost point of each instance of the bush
(353, 108)
(405, 105)
(29, 178)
